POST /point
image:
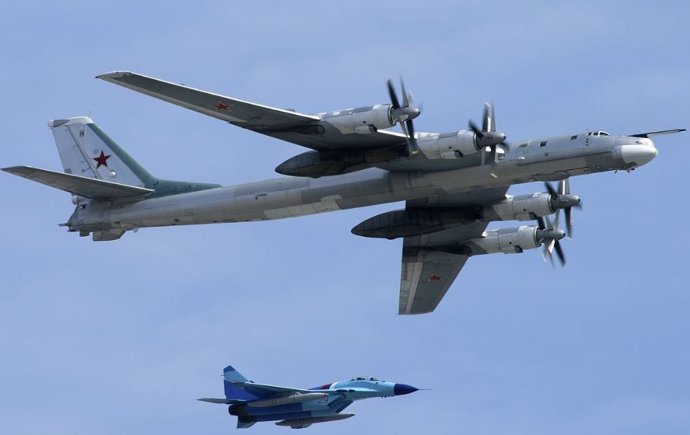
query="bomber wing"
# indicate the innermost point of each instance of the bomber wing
(429, 262)
(302, 129)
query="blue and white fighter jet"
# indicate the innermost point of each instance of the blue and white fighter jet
(296, 407)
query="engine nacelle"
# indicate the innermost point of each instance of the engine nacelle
(415, 222)
(505, 240)
(521, 207)
(323, 163)
(454, 145)
(362, 120)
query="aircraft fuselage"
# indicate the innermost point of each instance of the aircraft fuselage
(535, 160)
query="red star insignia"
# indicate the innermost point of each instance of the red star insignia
(221, 106)
(435, 277)
(101, 160)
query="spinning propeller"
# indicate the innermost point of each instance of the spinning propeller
(563, 199)
(404, 115)
(488, 136)
(550, 236)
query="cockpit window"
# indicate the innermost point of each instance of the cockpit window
(603, 133)
(360, 378)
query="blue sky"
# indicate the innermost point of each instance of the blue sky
(122, 337)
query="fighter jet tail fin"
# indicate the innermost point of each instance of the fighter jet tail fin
(232, 375)
(231, 378)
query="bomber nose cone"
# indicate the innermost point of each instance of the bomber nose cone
(638, 154)
(400, 389)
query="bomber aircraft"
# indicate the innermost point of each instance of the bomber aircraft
(453, 183)
(296, 407)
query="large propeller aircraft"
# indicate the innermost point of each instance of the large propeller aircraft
(453, 184)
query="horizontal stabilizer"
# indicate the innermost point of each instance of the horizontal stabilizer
(221, 401)
(658, 133)
(92, 188)
(301, 423)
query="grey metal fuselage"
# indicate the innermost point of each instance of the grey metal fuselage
(536, 160)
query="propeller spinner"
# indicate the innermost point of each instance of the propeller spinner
(488, 136)
(404, 115)
(564, 200)
(550, 236)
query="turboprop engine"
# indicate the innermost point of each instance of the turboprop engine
(362, 120)
(417, 221)
(510, 241)
(453, 145)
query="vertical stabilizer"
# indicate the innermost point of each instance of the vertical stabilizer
(232, 391)
(87, 151)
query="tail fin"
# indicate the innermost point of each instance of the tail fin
(232, 391)
(87, 151)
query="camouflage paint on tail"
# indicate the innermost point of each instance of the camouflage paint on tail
(87, 151)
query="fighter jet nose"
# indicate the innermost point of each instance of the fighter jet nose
(638, 155)
(400, 389)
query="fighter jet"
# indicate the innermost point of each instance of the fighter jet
(453, 184)
(295, 407)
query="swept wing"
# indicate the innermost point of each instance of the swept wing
(302, 129)
(429, 263)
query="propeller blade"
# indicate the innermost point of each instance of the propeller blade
(412, 147)
(488, 123)
(391, 92)
(475, 129)
(559, 252)
(569, 221)
(410, 129)
(550, 245)
(547, 256)
(551, 190)
(540, 221)
(406, 97)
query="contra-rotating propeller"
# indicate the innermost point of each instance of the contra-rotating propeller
(488, 136)
(550, 236)
(564, 200)
(404, 114)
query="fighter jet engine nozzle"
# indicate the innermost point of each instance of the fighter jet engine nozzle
(401, 389)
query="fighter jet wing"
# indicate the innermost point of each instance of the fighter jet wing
(299, 128)
(266, 391)
(429, 265)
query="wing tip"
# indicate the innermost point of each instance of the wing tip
(113, 75)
